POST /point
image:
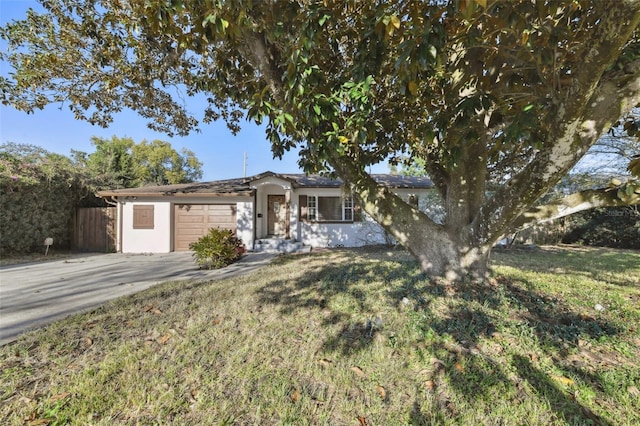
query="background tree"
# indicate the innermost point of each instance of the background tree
(112, 163)
(122, 163)
(512, 91)
(158, 163)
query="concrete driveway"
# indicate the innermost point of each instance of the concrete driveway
(36, 294)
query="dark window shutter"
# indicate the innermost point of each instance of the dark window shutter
(142, 217)
(302, 202)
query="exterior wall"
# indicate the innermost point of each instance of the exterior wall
(356, 234)
(160, 238)
(244, 218)
(156, 240)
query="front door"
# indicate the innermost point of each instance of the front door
(276, 216)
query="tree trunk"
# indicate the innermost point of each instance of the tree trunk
(452, 252)
(442, 255)
(441, 252)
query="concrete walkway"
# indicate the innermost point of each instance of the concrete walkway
(36, 294)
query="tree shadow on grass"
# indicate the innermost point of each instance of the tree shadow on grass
(321, 285)
(566, 407)
(454, 334)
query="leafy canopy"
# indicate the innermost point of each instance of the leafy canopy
(122, 163)
(366, 80)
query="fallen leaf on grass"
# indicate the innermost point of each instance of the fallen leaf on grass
(164, 339)
(381, 391)
(194, 394)
(459, 367)
(362, 420)
(437, 364)
(358, 371)
(88, 341)
(564, 380)
(216, 321)
(295, 396)
(59, 396)
(38, 422)
(151, 308)
(430, 385)
(324, 362)
(633, 391)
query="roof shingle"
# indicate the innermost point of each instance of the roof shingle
(242, 186)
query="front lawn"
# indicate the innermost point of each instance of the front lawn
(348, 337)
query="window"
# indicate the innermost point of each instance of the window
(347, 209)
(142, 217)
(327, 209)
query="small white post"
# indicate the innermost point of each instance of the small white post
(48, 242)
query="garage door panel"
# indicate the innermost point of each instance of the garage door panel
(220, 219)
(191, 221)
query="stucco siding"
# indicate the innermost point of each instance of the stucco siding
(244, 217)
(354, 234)
(156, 240)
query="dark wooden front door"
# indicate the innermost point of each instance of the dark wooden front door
(276, 216)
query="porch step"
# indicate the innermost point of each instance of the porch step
(279, 245)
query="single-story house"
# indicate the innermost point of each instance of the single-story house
(267, 211)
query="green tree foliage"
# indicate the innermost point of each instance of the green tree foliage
(513, 91)
(615, 227)
(158, 163)
(121, 163)
(39, 193)
(111, 164)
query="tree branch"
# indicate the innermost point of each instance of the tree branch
(607, 95)
(573, 203)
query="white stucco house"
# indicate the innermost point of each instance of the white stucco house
(268, 211)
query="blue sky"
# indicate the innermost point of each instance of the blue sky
(56, 130)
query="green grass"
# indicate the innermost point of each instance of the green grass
(348, 337)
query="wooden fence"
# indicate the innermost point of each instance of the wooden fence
(95, 229)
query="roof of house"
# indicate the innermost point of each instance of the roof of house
(243, 186)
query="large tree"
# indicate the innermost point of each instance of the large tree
(511, 91)
(122, 163)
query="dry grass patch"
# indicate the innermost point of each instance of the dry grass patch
(35, 257)
(347, 337)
